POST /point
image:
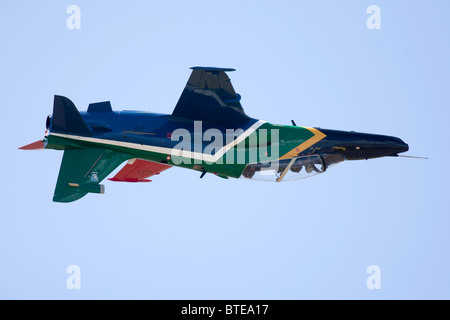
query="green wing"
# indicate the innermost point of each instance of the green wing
(82, 170)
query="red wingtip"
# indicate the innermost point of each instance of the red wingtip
(38, 145)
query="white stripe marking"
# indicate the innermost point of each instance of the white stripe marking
(164, 150)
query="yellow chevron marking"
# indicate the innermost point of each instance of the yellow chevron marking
(306, 144)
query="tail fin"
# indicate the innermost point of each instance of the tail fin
(67, 119)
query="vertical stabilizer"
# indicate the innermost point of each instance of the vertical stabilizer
(67, 119)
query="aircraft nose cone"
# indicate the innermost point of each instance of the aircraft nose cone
(357, 146)
(403, 148)
(397, 145)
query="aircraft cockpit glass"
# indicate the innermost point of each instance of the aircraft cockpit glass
(291, 169)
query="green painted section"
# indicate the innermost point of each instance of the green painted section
(232, 164)
(82, 170)
(262, 146)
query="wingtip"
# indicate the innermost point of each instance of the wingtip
(213, 69)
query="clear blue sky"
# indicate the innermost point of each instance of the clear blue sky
(180, 237)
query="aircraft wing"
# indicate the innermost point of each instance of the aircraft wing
(82, 170)
(209, 96)
(137, 170)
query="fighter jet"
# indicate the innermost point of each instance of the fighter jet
(208, 131)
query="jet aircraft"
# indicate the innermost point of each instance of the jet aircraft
(208, 131)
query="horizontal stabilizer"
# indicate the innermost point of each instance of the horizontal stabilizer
(38, 145)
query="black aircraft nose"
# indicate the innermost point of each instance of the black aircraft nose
(376, 146)
(356, 146)
(390, 144)
(399, 145)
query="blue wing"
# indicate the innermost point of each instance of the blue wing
(209, 96)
